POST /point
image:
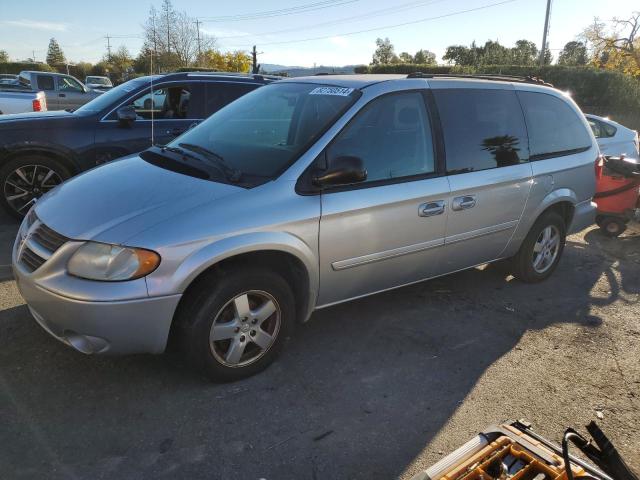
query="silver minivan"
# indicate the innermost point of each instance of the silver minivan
(300, 195)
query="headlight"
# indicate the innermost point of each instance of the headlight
(111, 263)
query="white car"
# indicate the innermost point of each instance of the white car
(613, 138)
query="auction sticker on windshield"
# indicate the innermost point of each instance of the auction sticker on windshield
(340, 91)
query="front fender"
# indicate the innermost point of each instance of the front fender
(213, 253)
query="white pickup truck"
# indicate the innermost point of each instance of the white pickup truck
(14, 99)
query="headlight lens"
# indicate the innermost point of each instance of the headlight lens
(112, 263)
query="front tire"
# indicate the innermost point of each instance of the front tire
(25, 179)
(612, 226)
(541, 250)
(235, 325)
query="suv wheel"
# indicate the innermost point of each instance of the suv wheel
(541, 250)
(25, 179)
(235, 325)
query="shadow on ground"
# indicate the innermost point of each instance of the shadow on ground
(358, 392)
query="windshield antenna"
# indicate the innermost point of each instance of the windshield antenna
(153, 104)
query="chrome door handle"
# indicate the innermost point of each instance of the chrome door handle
(463, 203)
(430, 209)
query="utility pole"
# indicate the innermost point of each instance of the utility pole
(543, 49)
(34, 56)
(255, 68)
(168, 34)
(198, 30)
(108, 48)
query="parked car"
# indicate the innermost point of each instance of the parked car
(8, 78)
(16, 99)
(98, 83)
(63, 92)
(39, 151)
(614, 139)
(300, 195)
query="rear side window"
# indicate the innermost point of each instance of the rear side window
(221, 94)
(45, 82)
(482, 129)
(554, 128)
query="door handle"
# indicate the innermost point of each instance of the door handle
(464, 202)
(175, 131)
(431, 209)
(61, 95)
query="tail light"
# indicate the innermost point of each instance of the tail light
(599, 166)
(37, 105)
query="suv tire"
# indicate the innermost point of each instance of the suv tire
(25, 178)
(235, 325)
(541, 250)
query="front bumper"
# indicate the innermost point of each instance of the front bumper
(113, 327)
(584, 215)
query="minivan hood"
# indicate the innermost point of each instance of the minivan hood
(116, 201)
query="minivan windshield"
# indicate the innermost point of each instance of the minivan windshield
(263, 132)
(111, 96)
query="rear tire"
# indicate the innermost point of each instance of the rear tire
(541, 250)
(235, 325)
(25, 179)
(612, 226)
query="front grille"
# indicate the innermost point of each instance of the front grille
(31, 260)
(49, 239)
(41, 243)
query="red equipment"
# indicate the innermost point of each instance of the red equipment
(617, 194)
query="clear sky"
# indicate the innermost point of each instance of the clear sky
(80, 25)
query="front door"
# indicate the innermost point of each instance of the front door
(389, 230)
(162, 115)
(487, 158)
(71, 93)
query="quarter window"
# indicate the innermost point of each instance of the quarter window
(482, 129)
(392, 135)
(554, 127)
(45, 82)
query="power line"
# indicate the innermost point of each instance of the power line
(412, 22)
(309, 7)
(375, 13)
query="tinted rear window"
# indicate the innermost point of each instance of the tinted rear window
(221, 94)
(482, 129)
(554, 127)
(45, 82)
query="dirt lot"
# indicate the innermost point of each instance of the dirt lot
(374, 389)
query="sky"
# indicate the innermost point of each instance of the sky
(325, 32)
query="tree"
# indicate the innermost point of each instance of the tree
(424, 57)
(55, 56)
(574, 53)
(171, 38)
(385, 53)
(524, 53)
(617, 48)
(4, 56)
(238, 61)
(405, 57)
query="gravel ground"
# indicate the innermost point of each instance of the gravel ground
(378, 388)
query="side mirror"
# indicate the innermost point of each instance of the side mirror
(343, 171)
(126, 115)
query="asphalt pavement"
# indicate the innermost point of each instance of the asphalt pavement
(374, 389)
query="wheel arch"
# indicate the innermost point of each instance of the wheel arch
(53, 153)
(281, 252)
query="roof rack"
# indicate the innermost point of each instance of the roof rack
(506, 78)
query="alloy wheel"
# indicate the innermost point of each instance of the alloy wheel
(546, 248)
(245, 328)
(26, 184)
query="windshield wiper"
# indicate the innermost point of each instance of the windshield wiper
(227, 173)
(232, 174)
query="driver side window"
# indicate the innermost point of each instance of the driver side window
(392, 136)
(170, 102)
(66, 84)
